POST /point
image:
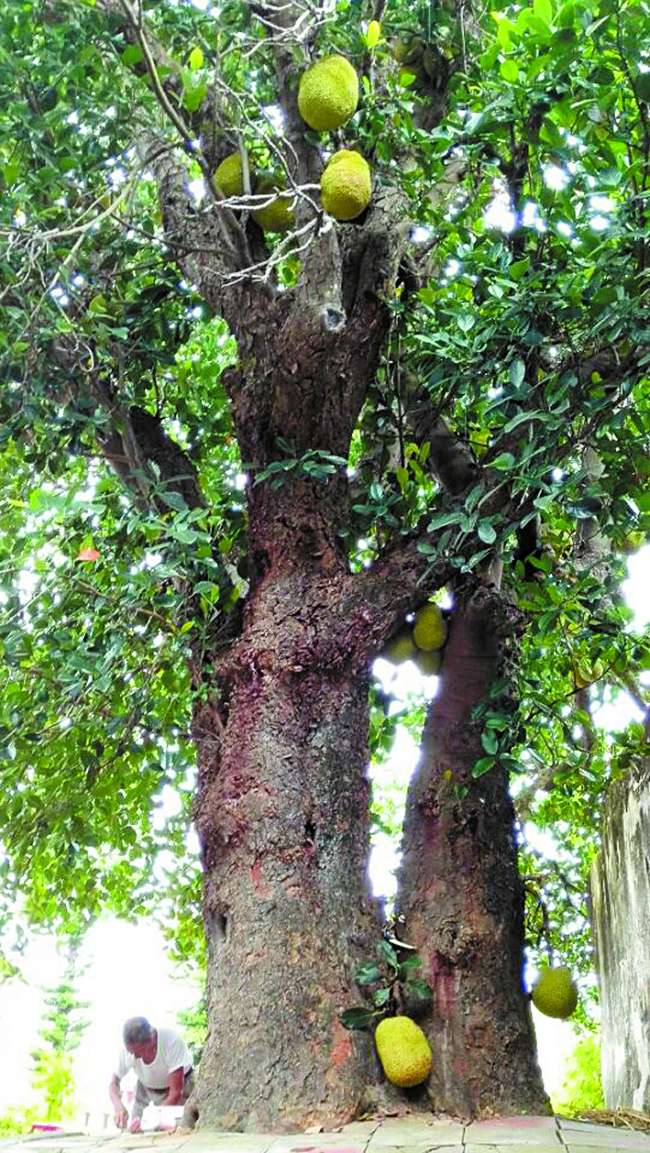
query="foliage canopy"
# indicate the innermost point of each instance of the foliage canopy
(519, 141)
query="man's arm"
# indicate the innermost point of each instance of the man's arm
(120, 1113)
(175, 1087)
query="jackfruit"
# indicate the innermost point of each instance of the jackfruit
(428, 663)
(634, 541)
(555, 993)
(585, 674)
(409, 51)
(328, 93)
(403, 1050)
(346, 185)
(400, 648)
(278, 215)
(229, 176)
(430, 628)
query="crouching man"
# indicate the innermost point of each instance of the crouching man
(163, 1067)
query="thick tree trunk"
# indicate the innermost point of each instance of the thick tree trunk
(283, 819)
(461, 895)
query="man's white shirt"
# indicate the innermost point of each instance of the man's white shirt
(172, 1053)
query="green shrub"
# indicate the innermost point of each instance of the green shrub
(16, 1121)
(583, 1087)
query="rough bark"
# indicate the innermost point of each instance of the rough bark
(283, 818)
(620, 887)
(461, 895)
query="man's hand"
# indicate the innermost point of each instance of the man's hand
(175, 1087)
(136, 1125)
(121, 1117)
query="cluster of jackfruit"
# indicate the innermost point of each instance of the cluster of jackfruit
(278, 214)
(403, 1050)
(555, 992)
(422, 643)
(328, 95)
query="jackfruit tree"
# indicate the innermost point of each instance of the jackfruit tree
(247, 437)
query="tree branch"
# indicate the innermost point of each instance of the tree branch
(131, 439)
(450, 458)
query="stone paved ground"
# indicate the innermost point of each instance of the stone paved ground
(391, 1135)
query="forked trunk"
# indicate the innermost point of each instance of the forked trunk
(461, 895)
(283, 820)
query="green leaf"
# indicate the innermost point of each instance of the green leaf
(482, 766)
(445, 518)
(490, 741)
(543, 10)
(132, 54)
(97, 306)
(419, 988)
(388, 954)
(173, 500)
(373, 35)
(194, 91)
(509, 71)
(409, 965)
(487, 532)
(356, 1018)
(517, 372)
(208, 589)
(196, 59)
(504, 462)
(380, 998)
(367, 974)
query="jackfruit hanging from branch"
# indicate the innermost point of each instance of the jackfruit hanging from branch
(328, 93)
(276, 215)
(346, 185)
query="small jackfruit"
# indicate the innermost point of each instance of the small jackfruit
(277, 215)
(634, 541)
(400, 648)
(555, 993)
(409, 51)
(430, 628)
(403, 1050)
(346, 185)
(428, 663)
(328, 93)
(229, 176)
(585, 674)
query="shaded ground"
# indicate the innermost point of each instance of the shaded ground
(390, 1135)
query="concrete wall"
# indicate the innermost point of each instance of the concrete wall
(621, 921)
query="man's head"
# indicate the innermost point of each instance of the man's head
(139, 1038)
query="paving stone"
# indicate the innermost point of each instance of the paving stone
(410, 1134)
(611, 1139)
(242, 1142)
(607, 1138)
(608, 1147)
(332, 1138)
(585, 1126)
(513, 1147)
(421, 1147)
(398, 1133)
(203, 1142)
(513, 1131)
